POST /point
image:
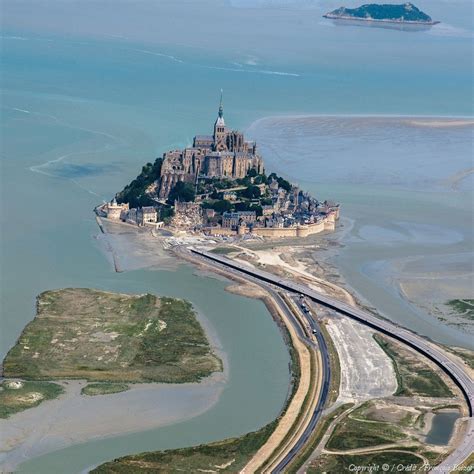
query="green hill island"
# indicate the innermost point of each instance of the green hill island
(108, 339)
(406, 13)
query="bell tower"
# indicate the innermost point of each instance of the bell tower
(220, 130)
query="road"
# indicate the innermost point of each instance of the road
(326, 378)
(454, 370)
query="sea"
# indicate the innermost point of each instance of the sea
(92, 91)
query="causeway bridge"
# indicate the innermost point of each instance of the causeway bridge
(455, 370)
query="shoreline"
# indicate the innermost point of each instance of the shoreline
(469, 119)
(374, 20)
(75, 419)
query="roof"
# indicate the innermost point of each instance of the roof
(203, 138)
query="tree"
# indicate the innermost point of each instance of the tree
(134, 193)
(252, 192)
(252, 173)
(182, 192)
(283, 183)
(218, 206)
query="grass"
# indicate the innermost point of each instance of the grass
(353, 433)
(108, 337)
(229, 455)
(414, 376)
(224, 250)
(16, 396)
(321, 429)
(463, 308)
(467, 466)
(104, 388)
(465, 354)
(335, 367)
(346, 463)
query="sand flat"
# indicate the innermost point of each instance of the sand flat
(74, 418)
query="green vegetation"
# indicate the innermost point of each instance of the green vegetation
(353, 433)
(283, 183)
(134, 193)
(224, 250)
(405, 12)
(16, 396)
(463, 308)
(182, 192)
(108, 337)
(465, 354)
(467, 466)
(414, 376)
(251, 192)
(219, 206)
(335, 367)
(229, 455)
(104, 388)
(341, 463)
(316, 437)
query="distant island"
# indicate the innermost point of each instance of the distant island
(406, 13)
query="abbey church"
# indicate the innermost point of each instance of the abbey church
(223, 154)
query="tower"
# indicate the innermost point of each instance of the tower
(220, 130)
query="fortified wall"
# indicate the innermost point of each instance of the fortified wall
(326, 224)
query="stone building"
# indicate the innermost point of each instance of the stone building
(147, 215)
(232, 220)
(115, 211)
(225, 153)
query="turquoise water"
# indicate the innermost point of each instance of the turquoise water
(88, 98)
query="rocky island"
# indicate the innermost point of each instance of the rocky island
(406, 13)
(219, 187)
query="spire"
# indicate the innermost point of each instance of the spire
(221, 107)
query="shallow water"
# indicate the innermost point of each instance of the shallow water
(390, 177)
(442, 428)
(87, 100)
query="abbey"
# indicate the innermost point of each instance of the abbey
(223, 154)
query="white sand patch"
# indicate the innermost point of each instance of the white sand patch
(14, 384)
(31, 398)
(161, 325)
(147, 326)
(366, 371)
(223, 466)
(441, 123)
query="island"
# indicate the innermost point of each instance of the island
(219, 187)
(108, 339)
(405, 13)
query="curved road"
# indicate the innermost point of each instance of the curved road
(326, 377)
(454, 370)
